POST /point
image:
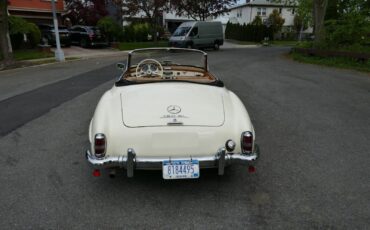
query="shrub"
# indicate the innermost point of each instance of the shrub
(250, 32)
(137, 32)
(18, 27)
(34, 35)
(347, 30)
(111, 29)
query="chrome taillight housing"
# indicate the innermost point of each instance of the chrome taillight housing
(247, 142)
(100, 145)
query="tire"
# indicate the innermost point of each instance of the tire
(216, 46)
(189, 46)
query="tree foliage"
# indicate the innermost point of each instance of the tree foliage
(276, 21)
(202, 9)
(18, 27)
(257, 21)
(350, 26)
(119, 9)
(86, 12)
(5, 45)
(152, 10)
(305, 8)
(110, 28)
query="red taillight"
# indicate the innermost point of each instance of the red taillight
(247, 142)
(96, 173)
(100, 145)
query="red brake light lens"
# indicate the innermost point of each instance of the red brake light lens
(247, 142)
(100, 145)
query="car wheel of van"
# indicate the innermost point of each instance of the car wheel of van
(216, 46)
(189, 46)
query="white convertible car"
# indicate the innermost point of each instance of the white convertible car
(168, 112)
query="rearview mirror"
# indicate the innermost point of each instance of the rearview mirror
(121, 66)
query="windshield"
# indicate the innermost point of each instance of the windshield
(170, 56)
(181, 31)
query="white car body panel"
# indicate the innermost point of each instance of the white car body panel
(146, 105)
(130, 117)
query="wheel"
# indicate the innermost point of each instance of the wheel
(216, 46)
(83, 43)
(189, 46)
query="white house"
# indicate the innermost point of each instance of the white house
(245, 13)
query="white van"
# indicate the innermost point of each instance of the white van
(198, 34)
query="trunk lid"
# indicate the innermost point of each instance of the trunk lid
(164, 104)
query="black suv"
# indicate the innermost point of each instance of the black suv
(48, 35)
(87, 36)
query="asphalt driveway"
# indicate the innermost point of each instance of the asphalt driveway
(312, 124)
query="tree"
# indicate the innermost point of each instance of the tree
(110, 28)
(85, 12)
(119, 9)
(319, 11)
(350, 25)
(5, 44)
(276, 21)
(317, 8)
(257, 21)
(152, 10)
(202, 9)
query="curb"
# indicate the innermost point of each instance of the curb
(34, 62)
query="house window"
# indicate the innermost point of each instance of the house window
(261, 11)
(293, 11)
(280, 10)
(239, 13)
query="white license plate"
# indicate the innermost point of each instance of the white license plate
(180, 169)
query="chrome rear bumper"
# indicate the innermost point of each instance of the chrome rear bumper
(130, 162)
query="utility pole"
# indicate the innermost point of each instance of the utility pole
(59, 55)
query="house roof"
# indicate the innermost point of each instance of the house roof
(253, 3)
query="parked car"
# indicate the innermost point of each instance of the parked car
(198, 34)
(168, 112)
(48, 35)
(87, 36)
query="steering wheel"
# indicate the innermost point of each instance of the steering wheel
(149, 67)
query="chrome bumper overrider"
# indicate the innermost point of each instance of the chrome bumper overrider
(131, 162)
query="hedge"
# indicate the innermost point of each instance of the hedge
(249, 32)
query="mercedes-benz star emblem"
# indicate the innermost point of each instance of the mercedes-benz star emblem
(174, 109)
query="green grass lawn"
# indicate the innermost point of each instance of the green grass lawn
(242, 42)
(274, 43)
(283, 43)
(339, 62)
(138, 45)
(21, 55)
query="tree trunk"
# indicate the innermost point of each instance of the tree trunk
(319, 10)
(5, 44)
(301, 31)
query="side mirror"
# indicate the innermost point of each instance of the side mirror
(121, 66)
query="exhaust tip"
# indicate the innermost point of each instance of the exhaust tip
(112, 174)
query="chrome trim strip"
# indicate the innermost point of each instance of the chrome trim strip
(132, 161)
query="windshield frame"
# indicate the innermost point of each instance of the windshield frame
(205, 55)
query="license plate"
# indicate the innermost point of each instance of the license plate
(180, 169)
